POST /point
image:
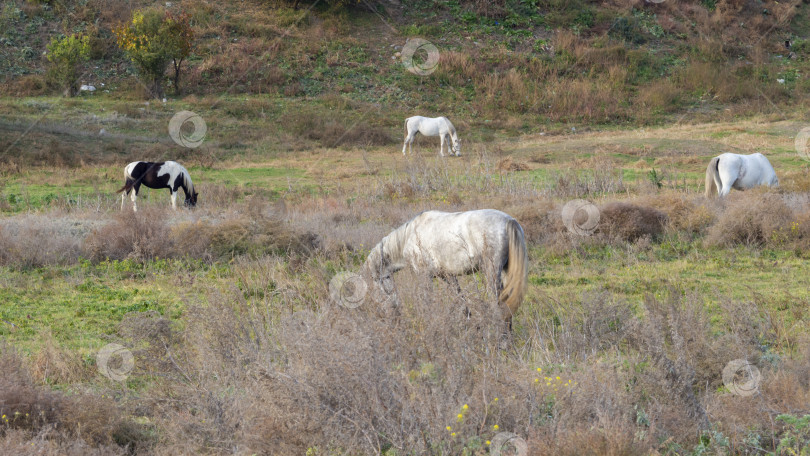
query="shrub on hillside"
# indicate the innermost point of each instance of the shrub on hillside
(151, 40)
(65, 55)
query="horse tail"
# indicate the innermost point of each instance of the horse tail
(406, 127)
(516, 275)
(127, 187)
(712, 177)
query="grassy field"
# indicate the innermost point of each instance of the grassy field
(231, 341)
(76, 273)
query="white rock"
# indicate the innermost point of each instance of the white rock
(87, 88)
(780, 81)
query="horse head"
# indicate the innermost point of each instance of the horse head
(457, 146)
(378, 268)
(191, 200)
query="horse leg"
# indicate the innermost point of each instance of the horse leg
(174, 200)
(123, 197)
(727, 181)
(408, 142)
(133, 197)
(441, 146)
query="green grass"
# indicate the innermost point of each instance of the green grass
(80, 305)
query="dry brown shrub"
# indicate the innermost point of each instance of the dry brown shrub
(54, 364)
(31, 242)
(457, 67)
(331, 131)
(253, 235)
(81, 420)
(508, 164)
(141, 236)
(752, 218)
(540, 220)
(690, 214)
(658, 97)
(30, 406)
(630, 222)
(360, 380)
(614, 438)
(24, 86)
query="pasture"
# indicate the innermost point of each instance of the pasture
(676, 325)
(270, 232)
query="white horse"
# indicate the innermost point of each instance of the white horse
(447, 245)
(170, 174)
(432, 126)
(741, 172)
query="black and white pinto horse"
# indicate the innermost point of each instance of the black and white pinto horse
(170, 174)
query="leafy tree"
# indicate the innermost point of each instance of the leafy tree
(180, 37)
(152, 39)
(65, 55)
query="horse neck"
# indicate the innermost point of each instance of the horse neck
(390, 247)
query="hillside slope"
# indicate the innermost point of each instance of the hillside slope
(515, 63)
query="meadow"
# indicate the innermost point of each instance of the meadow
(228, 338)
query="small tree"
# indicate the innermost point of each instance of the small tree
(65, 55)
(180, 36)
(153, 39)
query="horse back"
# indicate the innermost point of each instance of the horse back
(136, 170)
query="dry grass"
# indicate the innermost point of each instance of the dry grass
(34, 242)
(54, 423)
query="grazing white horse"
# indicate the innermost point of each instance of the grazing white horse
(447, 245)
(741, 172)
(432, 126)
(170, 174)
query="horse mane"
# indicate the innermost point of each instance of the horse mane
(395, 241)
(451, 126)
(187, 181)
